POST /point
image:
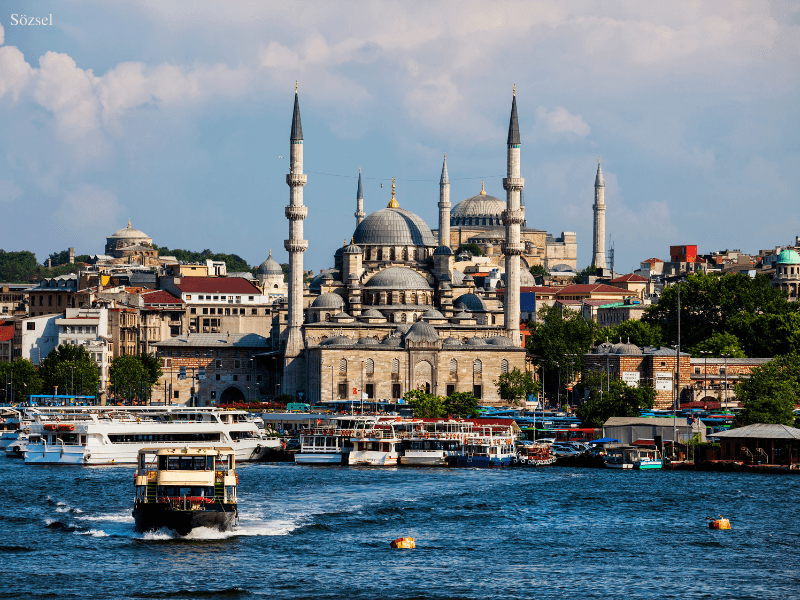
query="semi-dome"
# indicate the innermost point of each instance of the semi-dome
(337, 340)
(398, 278)
(475, 341)
(478, 210)
(367, 341)
(422, 331)
(452, 342)
(270, 266)
(328, 300)
(432, 314)
(392, 341)
(372, 313)
(628, 348)
(501, 341)
(393, 227)
(470, 302)
(604, 348)
(789, 257)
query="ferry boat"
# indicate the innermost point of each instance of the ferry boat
(185, 488)
(491, 446)
(433, 443)
(114, 435)
(375, 445)
(330, 444)
(631, 457)
(15, 428)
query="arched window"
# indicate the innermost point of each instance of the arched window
(453, 366)
(477, 367)
(327, 316)
(403, 318)
(369, 366)
(343, 366)
(504, 366)
(395, 366)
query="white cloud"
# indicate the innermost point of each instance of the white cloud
(2, 34)
(560, 120)
(14, 72)
(9, 191)
(89, 208)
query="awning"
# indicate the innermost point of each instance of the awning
(604, 441)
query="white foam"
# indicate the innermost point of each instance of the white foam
(118, 518)
(62, 509)
(161, 534)
(61, 504)
(93, 533)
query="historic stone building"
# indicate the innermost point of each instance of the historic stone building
(394, 314)
(787, 274)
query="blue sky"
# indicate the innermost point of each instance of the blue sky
(177, 116)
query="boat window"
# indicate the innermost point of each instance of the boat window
(209, 463)
(199, 463)
(173, 463)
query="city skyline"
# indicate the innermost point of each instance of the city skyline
(183, 129)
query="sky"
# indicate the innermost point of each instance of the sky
(177, 115)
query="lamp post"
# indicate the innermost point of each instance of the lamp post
(726, 357)
(705, 354)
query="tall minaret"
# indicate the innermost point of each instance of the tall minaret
(444, 206)
(359, 214)
(295, 246)
(513, 217)
(599, 246)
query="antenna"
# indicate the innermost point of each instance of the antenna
(611, 258)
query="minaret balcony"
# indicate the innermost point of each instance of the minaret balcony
(295, 245)
(296, 179)
(513, 217)
(296, 213)
(512, 249)
(513, 183)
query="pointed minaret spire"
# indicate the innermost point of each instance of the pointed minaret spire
(599, 208)
(513, 125)
(359, 214)
(297, 127)
(513, 218)
(444, 206)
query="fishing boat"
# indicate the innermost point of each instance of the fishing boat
(114, 435)
(185, 488)
(489, 446)
(631, 457)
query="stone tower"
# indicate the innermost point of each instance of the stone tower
(293, 380)
(599, 246)
(359, 214)
(444, 206)
(513, 217)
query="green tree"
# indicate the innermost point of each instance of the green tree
(771, 392)
(559, 340)
(516, 385)
(620, 400)
(638, 332)
(426, 406)
(233, 262)
(129, 377)
(152, 365)
(19, 378)
(718, 345)
(71, 369)
(471, 249)
(588, 271)
(461, 404)
(539, 271)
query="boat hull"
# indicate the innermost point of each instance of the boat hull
(327, 458)
(654, 464)
(371, 458)
(155, 516)
(415, 458)
(483, 461)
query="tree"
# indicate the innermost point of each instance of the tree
(620, 400)
(559, 339)
(426, 406)
(127, 374)
(539, 271)
(461, 404)
(719, 345)
(638, 332)
(771, 392)
(233, 262)
(588, 271)
(20, 378)
(516, 385)
(71, 369)
(152, 365)
(471, 249)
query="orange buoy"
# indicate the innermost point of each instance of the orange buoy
(404, 542)
(719, 523)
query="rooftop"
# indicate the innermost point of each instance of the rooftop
(217, 285)
(219, 340)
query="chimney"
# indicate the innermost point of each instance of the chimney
(49, 263)
(72, 256)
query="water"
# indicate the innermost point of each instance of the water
(324, 532)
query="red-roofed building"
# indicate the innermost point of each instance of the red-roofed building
(593, 291)
(641, 286)
(6, 337)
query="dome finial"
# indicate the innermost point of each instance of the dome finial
(515, 89)
(295, 86)
(393, 202)
(483, 190)
(270, 253)
(129, 223)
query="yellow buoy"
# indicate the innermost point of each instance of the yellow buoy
(719, 523)
(404, 542)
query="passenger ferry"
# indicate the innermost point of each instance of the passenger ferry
(489, 446)
(185, 488)
(430, 443)
(330, 444)
(114, 435)
(375, 445)
(631, 457)
(14, 429)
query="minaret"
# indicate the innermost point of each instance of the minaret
(359, 214)
(599, 256)
(444, 206)
(295, 246)
(513, 218)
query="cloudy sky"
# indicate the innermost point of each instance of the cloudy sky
(177, 116)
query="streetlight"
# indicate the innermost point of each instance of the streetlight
(705, 354)
(726, 357)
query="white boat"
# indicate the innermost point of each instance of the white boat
(489, 446)
(15, 443)
(329, 442)
(375, 445)
(114, 435)
(432, 443)
(631, 457)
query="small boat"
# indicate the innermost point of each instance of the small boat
(185, 488)
(631, 457)
(531, 454)
(322, 447)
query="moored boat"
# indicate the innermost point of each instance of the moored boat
(632, 457)
(375, 446)
(531, 454)
(182, 489)
(489, 446)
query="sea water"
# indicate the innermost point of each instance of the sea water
(324, 532)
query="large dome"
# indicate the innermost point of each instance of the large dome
(393, 227)
(129, 232)
(398, 278)
(488, 210)
(270, 266)
(788, 257)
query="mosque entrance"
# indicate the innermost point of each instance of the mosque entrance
(231, 395)
(423, 375)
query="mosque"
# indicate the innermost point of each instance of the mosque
(394, 314)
